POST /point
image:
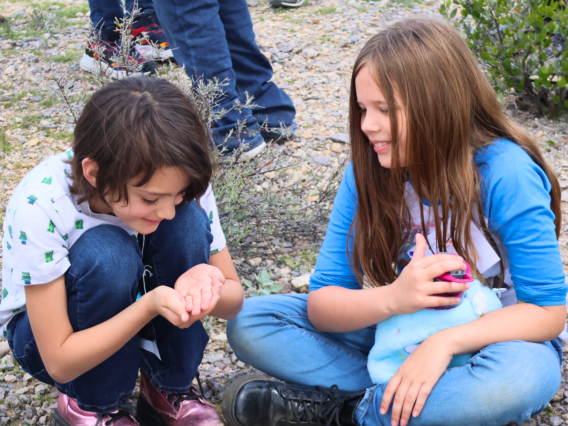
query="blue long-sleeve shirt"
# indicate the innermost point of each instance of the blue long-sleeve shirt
(516, 201)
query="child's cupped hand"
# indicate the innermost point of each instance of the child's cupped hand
(200, 287)
(415, 287)
(167, 302)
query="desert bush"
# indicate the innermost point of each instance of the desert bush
(522, 46)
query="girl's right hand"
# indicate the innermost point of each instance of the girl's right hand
(414, 288)
(167, 302)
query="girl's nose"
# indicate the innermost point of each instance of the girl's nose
(167, 211)
(369, 125)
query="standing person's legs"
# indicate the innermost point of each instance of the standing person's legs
(197, 37)
(252, 69)
(103, 16)
(506, 382)
(101, 282)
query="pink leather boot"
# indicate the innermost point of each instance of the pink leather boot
(157, 408)
(69, 414)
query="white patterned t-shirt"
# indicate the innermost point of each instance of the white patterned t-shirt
(43, 220)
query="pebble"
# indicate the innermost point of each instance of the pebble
(13, 401)
(340, 137)
(41, 389)
(302, 283)
(222, 337)
(4, 348)
(10, 378)
(22, 391)
(255, 261)
(556, 421)
(336, 147)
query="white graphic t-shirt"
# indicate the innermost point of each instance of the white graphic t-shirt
(43, 220)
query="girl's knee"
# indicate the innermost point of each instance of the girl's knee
(525, 377)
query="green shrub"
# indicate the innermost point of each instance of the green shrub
(513, 41)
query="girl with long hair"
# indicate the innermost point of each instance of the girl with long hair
(436, 167)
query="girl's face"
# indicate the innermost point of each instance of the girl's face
(149, 204)
(375, 121)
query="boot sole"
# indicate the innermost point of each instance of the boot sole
(147, 415)
(231, 393)
(58, 420)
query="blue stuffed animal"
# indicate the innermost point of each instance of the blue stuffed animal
(398, 336)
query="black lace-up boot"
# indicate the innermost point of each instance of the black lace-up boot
(252, 400)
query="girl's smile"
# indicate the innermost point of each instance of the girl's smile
(381, 146)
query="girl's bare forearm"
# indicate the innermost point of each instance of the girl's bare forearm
(336, 309)
(523, 321)
(83, 350)
(231, 301)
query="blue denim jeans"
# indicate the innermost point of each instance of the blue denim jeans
(106, 266)
(504, 382)
(215, 39)
(105, 12)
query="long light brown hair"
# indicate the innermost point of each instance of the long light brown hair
(451, 112)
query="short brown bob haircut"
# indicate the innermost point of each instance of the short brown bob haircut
(134, 127)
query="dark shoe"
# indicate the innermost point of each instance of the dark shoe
(252, 400)
(103, 57)
(279, 134)
(148, 33)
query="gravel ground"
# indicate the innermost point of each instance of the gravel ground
(312, 50)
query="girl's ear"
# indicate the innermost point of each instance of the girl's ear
(90, 170)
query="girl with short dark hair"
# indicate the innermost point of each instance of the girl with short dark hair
(112, 253)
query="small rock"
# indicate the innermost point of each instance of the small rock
(221, 337)
(27, 377)
(529, 422)
(252, 3)
(13, 401)
(23, 390)
(36, 98)
(41, 389)
(416, 10)
(301, 283)
(22, 140)
(79, 14)
(340, 137)
(311, 53)
(285, 47)
(240, 364)
(43, 420)
(2, 393)
(214, 357)
(30, 412)
(4, 347)
(556, 421)
(539, 134)
(354, 39)
(285, 270)
(10, 378)
(336, 147)
(255, 261)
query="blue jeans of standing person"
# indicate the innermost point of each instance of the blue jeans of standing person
(505, 382)
(106, 266)
(105, 12)
(215, 39)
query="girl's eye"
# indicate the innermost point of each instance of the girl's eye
(150, 202)
(384, 111)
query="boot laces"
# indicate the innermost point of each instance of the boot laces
(120, 414)
(192, 395)
(317, 410)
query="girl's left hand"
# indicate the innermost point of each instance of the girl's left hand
(415, 379)
(201, 287)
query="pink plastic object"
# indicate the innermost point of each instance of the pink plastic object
(69, 414)
(458, 276)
